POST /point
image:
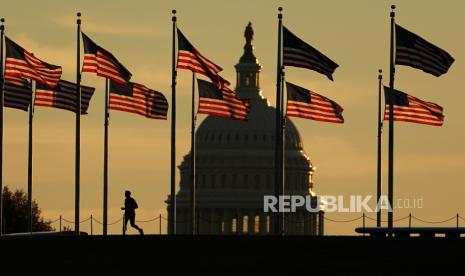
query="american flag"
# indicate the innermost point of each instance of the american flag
(17, 94)
(22, 64)
(63, 96)
(138, 99)
(221, 102)
(410, 109)
(298, 53)
(414, 51)
(191, 59)
(307, 104)
(101, 62)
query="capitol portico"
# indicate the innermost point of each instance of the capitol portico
(235, 167)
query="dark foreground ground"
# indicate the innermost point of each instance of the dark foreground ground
(230, 255)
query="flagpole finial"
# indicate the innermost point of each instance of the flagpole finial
(380, 76)
(280, 15)
(78, 21)
(393, 7)
(174, 15)
(3, 21)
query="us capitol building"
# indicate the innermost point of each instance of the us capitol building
(235, 167)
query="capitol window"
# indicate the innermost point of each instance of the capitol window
(257, 182)
(234, 225)
(268, 222)
(256, 224)
(212, 178)
(246, 181)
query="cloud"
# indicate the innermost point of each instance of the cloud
(431, 163)
(123, 30)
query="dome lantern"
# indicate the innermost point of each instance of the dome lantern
(248, 69)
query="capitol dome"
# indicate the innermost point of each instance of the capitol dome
(235, 167)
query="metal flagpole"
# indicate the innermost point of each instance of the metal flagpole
(278, 153)
(29, 164)
(193, 118)
(391, 126)
(282, 151)
(172, 221)
(2, 34)
(77, 170)
(105, 164)
(380, 130)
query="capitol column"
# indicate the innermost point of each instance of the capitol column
(263, 221)
(314, 224)
(321, 220)
(227, 222)
(201, 220)
(289, 222)
(307, 223)
(239, 222)
(251, 221)
(213, 222)
(180, 221)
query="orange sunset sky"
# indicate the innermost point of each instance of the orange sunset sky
(429, 161)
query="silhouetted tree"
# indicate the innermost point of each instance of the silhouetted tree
(15, 213)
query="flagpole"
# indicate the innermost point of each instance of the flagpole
(172, 221)
(277, 225)
(2, 34)
(283, 151)
(77, 170)
(380, 130)
(105, 163)
(29, 165)
(391, 126)
(193, 117)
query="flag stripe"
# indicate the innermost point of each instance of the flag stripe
(142, 101)
(20, 63)
(63, 96)
(303, 103)
(191, 59)
(102, 63)
(413, 110)
(298, 53)
(221, 102)
(414, 51)
(17, 96)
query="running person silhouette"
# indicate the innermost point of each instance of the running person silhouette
(130, 206)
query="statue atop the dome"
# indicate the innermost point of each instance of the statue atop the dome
(248, 56)
(248, 34)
